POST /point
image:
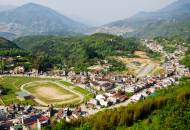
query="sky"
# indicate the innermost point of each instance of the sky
(96, 12)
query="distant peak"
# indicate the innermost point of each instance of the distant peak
(32, 5)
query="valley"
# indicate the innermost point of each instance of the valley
(57, 73)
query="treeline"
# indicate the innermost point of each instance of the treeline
(13, 52)
(176, 97)
(173, 116)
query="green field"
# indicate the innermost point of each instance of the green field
(12, 85)
(86, 93)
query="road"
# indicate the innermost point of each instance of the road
(146, 70)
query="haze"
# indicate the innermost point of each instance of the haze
(96, 12)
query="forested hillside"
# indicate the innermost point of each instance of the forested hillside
(8, 48)
(86, 50)
(5, 44)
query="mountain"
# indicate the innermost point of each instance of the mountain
(34, 19)
(169, 21)
(6, 44)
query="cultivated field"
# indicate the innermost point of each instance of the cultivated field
(50, 92)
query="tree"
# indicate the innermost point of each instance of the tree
(2, 65)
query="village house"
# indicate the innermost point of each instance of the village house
(3, 115)
(18, 70)
(34, 121)
(136, 97)
(92, 103)
(33, 72)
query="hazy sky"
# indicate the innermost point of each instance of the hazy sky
(96, 12)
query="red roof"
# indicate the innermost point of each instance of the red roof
(43, 118)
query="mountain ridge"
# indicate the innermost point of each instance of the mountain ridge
(34, 19)
(169, 21)
(6, 44)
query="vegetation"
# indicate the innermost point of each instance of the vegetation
(12, 56)
(186, 59)
(87, 95)
(174, 115)
(4, 43)
(117, 65)
(63, 52)
(153, 55)
(169, 109)
(170, 43)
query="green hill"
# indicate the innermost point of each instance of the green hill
(9, 48)
(86, 50)
(6, 44)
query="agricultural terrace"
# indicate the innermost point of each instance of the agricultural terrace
(12, 84)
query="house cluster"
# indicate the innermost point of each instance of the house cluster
(173, 71)
(152, 45)
(106, 100)
(21, 117)
(70, 114)
(142, 87)
(93, 80)
(173, 63)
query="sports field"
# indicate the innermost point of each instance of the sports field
(54, 89)
(50, 92)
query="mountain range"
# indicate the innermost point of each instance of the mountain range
(34, 19)
(169, 21)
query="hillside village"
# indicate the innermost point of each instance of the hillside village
(112, 90)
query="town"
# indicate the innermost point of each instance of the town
(112, 90)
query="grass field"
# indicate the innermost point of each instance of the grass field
(87, 95)
(13, 84)
(51, 93)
